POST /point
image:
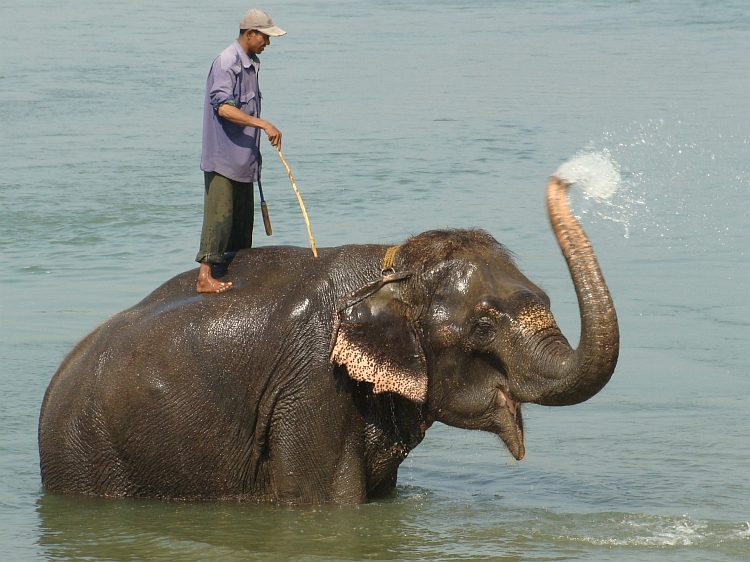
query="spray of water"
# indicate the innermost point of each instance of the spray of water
(599, 188)
(596, 173)
(679, 185)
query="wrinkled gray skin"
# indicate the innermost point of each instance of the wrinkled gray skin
(312, 379)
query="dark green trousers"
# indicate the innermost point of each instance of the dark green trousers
(228, 212)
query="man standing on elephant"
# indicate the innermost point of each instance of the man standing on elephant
(230, 158)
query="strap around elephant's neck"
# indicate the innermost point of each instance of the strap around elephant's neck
(388, 259)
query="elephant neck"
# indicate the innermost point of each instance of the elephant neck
(395, 425)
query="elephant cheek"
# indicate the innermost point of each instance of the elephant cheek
(509, 425)
(448, 336)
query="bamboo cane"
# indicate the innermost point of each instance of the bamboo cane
(301, 204)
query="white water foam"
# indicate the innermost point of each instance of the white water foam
(655, 531)
(598, 180)
(596, 173)
(643, 178)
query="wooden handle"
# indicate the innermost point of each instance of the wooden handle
(266, 218)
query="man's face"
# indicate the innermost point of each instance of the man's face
(257, 41)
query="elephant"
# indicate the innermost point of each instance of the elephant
(312, 379)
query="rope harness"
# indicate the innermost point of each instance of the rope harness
(390, 256)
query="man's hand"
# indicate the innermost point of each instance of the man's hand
(231, 113)
(274, 135)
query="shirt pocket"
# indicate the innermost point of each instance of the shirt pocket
(247, 103)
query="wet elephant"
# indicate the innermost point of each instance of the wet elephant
(312, 379)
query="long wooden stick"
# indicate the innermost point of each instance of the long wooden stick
(301, 204)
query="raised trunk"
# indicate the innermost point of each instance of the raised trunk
(555, 374)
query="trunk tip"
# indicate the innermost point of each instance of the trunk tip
(556, 181)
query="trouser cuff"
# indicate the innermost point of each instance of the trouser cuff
(214, 259)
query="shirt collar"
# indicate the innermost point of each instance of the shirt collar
(246, 59)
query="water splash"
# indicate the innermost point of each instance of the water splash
(675, 183)
(601, 189)
(596, 173)
(656, 531)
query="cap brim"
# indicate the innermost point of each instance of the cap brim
(272, 31)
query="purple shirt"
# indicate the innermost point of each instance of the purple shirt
(230, 149)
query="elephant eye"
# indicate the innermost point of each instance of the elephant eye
(483, 332)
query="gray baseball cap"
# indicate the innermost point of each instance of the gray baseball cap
(260, 21)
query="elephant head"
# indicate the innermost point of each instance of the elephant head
(457, 328)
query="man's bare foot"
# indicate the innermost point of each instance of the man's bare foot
(207, 283)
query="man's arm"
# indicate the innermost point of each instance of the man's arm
(231, 113)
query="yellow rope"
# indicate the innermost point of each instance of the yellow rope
(390, 255)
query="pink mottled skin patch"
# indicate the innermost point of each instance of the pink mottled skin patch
(383, 374)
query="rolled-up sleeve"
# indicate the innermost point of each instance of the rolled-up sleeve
(221, 84)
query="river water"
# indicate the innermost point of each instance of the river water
(397, 118)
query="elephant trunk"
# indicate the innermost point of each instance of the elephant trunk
(551, 373)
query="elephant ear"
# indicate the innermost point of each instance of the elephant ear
(375, 340)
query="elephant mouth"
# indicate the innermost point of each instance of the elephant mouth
(510, 424)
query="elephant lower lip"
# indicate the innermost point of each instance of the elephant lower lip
(510, 424)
